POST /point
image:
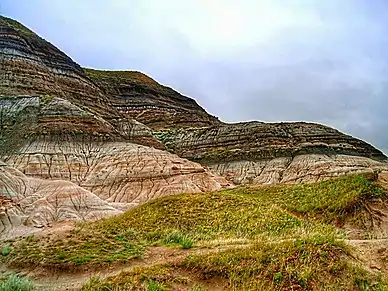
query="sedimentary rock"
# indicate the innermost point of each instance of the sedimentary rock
(86, 180)
(139, 97)
(115, 171)
(257, 152)
(33, 68)
(28, 204)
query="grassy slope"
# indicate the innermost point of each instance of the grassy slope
(134, 76)
(16, 25)
(287, 222)
(315, 263)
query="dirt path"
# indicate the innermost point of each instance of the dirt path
(154, 256)
(373, 254)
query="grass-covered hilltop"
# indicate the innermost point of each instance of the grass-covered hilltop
(282, 237)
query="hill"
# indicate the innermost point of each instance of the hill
(250, 237)
(113, 175)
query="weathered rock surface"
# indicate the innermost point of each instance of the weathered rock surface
(303, 168)
(139, 97)
(116, 171)
(256, 152)
(28, 204)
(70, 181)
(33, 68)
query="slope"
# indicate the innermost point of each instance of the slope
(285, 229)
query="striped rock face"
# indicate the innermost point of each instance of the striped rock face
(65, 181)
(82, 144)
(258, 152)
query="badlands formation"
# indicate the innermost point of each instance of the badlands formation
(81, 144)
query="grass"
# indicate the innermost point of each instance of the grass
(6, 250)
(16, 25)
(141, 278)
(16, 283)
(82, 247)
(251, 213)
(332, 201)
(133, 76)
(311, 263)
(178, 238)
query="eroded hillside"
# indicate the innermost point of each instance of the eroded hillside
(258, 238)
(119, 149)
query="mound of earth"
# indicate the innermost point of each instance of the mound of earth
(29, 204)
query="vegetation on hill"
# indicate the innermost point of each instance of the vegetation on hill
(312, 263)
(16, 25)
(250, 213)
(133, 76)
(14, 282)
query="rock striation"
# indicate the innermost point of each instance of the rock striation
(28, 204)
(68, 143)
(33, 68)
(139, 97)
(52, 182)
(81, 144)
(257, 152)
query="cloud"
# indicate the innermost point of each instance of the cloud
(323, 61)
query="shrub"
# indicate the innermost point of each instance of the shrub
(16, 283)
(179, 238)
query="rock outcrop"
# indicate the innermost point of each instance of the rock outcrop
(28, 204)
(139, 97)
(71, 144)
(257, 152)
(86, 180)
(116, 171)
(81, 144)
(33, 68)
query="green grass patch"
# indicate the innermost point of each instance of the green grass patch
(16, 283)
(310, 263)
(332, 201)
(178, 238)
(142, 278)
(113, 75)
(83, 246)
(5, 250)
(250, 213)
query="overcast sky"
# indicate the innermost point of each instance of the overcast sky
(322, 61)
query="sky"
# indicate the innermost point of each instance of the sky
(267, 60)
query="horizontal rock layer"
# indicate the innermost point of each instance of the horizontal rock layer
(273, 152)
(32, 67)
(140, 97)
(299, 169)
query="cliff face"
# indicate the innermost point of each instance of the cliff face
(140, 97)
(62, 181)
(36, 73)
(96, 138)
(273, 152)
(75, 155)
